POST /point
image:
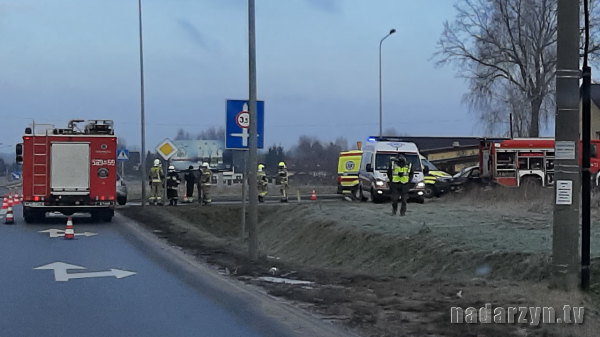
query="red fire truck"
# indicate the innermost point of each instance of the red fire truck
(69, 170)
(520, 161)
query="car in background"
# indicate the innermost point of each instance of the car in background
(467, 178)
(121, 190)
(437, 182)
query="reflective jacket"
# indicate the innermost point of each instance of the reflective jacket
(173, 180)
(206, 177)
(261, 177)
(156, 174)
(400, 174)
(283, 176)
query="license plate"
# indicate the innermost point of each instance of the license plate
(34, 204)
(104, 203)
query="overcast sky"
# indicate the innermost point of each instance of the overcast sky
(317, 66)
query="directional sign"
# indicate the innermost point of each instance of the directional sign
(55, 233)
(15, 175)
(166, 149)
(237, 123)
(61, 275)
(122, 154)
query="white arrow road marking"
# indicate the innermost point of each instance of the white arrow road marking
(61, 275)
(55, 233)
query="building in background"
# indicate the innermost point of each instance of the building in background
(196, 152)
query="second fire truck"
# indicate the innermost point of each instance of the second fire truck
(526, 161)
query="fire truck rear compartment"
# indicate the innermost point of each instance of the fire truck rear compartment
(70, 169)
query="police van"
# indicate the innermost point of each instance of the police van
(372, 175)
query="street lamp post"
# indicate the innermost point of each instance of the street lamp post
(380, 114)
(143, 118)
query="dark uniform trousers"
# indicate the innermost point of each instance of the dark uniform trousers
(399, 190)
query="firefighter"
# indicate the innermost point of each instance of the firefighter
(172, 185)
(399, 171)
(262, 182)
(283, 181)
(205, 182)
(156, 177)
(191, 179)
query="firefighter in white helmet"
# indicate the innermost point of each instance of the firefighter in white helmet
(205, 183)
(172, 185)
(283, 181)
(262, 181)
(156, 177)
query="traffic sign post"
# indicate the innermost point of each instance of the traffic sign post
(166, 149)
(122, 156)
(237, 124)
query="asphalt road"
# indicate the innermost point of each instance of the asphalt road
(167, 296)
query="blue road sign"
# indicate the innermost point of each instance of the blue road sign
(122, 154)
(237, 133)
(16, 175)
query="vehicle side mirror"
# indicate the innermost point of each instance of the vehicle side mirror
(426, 170)
(19, 153)
(369, 168)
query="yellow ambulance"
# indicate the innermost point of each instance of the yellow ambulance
(347, 178)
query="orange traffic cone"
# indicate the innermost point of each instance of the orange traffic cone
(21, 197)
(10, 219)
(10, 201)
(69, 232)
(185, 199)
(4, 208)
(16, 200)
(313, 196)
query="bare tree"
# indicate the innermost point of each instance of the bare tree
(506, 49)
(121, 143)
(212, 133)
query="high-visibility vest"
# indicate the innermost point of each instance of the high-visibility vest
(400, 169)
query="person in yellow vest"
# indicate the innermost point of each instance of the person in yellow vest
(205, 183)
(156, 177)
(399, 173)
(262, 181)
(283, 181)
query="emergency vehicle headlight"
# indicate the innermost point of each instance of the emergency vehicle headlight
(102, 172)
(421, 185)
(379, 183)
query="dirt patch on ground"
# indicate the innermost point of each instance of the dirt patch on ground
(392, 276)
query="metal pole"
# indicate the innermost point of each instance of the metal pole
(511, 126)
(585, 179)
(164, 201)
(380, 109)
(142, 117)
(253, 221)
(565, 238)
(380, 99)
(585, 163)
(244, 182)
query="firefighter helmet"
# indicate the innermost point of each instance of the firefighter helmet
(261, 167)
(205, 165)
(156, 162)
(282, 165)
(171, 168)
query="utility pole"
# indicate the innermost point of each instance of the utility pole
(143, 117)
(585, 162)
(565, 238)
(253, 192)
